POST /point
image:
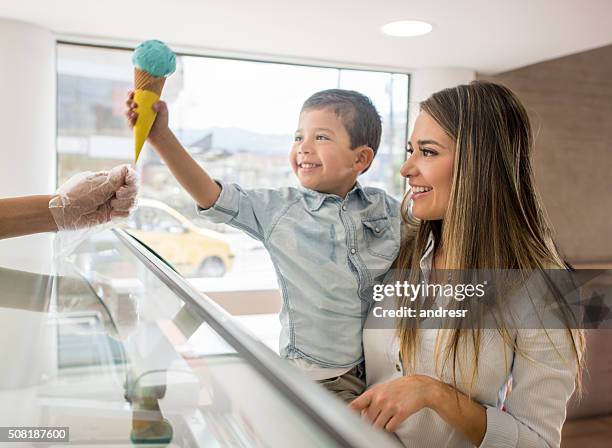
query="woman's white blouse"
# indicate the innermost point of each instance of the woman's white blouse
(535, 410)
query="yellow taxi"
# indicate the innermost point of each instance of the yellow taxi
(191, 250)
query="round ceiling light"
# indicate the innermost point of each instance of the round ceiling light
(407, 28)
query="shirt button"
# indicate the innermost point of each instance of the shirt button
(353, 251)
(377, 229)
(344, 207)
(398, 368)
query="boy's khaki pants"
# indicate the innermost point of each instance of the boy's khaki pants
(348, 386)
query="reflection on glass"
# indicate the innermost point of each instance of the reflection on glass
(111, 352)
(235, 117)
(192, 250)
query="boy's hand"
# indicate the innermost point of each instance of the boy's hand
(160, 125)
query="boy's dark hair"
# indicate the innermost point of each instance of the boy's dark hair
(358, 114)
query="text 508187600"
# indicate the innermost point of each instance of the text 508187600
(34, 434)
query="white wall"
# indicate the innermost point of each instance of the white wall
(425, 82)
(27, 110)
(27, 130)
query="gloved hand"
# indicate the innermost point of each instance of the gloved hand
(88, 199)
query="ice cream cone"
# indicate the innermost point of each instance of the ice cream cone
(148, 91)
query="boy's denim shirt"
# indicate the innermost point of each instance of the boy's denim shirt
(327, 252)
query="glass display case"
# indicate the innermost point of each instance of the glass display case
(114, 345)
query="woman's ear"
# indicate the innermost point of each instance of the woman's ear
(364, 158)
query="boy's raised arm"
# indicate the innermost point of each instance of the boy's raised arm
(192, 177)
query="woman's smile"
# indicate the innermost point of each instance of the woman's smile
(419, 192)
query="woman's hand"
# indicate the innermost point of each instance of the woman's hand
(387, 405)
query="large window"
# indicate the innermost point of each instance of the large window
(236, 118)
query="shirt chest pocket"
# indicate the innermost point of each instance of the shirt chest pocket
(381, 237)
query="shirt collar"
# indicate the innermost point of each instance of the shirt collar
(314, 199)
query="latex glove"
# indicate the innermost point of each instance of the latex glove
(88, 199)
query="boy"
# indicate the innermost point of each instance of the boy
(329, 240)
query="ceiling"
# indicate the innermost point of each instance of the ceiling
(488, 36)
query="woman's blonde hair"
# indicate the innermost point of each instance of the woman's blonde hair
(494, 219)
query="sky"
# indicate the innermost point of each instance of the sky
(263, 97)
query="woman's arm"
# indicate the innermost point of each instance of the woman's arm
(543, 374)
(25, 215)
(458, 410)
(388, 405)
(543, 380)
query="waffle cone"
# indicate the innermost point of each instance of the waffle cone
(145, 99)
(145, 81)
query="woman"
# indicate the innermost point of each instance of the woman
(85, 200)
(473, 206)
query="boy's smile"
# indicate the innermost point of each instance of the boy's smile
(321, 155)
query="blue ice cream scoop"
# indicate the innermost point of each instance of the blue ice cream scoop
(154, 57)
